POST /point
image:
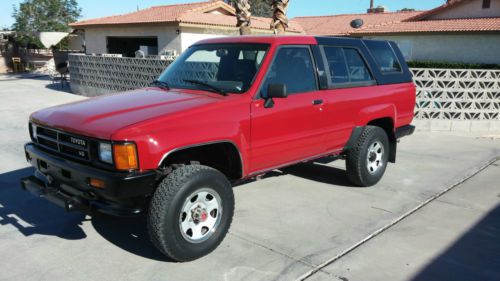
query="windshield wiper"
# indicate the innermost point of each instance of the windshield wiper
(212, 87)
(160, 84)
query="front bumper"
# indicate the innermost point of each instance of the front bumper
(66, 183)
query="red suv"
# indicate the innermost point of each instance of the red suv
(227, 109)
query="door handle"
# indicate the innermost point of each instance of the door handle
(317, 102)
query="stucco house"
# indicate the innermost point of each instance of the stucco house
(164, 28)
(458, 31)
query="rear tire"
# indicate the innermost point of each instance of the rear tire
(190, 212)
(367, 160)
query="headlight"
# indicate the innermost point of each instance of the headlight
(33, 131)
(105, 152)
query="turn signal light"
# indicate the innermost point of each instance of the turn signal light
(97, 183)
(125, 156)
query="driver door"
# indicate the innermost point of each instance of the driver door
(294, 128)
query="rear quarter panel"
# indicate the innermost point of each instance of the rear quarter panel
(396, 101)
(353, 107)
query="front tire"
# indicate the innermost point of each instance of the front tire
(190, 212)
(367, 160)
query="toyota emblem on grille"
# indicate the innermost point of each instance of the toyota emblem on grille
(77, 141)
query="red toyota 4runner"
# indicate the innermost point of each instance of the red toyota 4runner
(227, 109)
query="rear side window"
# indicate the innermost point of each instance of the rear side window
(346, 66)
(358, 72)
(384, 56)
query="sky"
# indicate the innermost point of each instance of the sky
(101, 8)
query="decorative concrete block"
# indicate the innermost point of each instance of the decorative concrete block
(98, 75)
(458, 99)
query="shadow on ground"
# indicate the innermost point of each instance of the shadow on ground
(475, 256)
(35, 216)
(319, 172)
(23, 75)
(61, 86)
(31, 215)
(130, 234)
(316, 171)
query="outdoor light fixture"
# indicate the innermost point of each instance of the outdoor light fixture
(178, 31)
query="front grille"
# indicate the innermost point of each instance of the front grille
(63, 143)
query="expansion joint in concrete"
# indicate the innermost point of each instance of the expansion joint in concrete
(397, 220)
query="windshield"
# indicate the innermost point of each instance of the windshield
(226, 68)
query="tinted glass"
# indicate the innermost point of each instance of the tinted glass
(293, 67)
(230, 67)
(384, 56)
(337, 65)
(358, 72)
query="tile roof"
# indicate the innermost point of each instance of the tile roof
(376, 23)
(397, 22)
(340, 24)
(445, 6)
(430, 26)
(166, 13)
(190, 13)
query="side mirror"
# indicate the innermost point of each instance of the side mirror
(276, 91)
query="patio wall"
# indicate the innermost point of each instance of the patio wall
(97, 75)
(457, 100)
(447, 99)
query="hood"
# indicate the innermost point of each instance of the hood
(100, 117)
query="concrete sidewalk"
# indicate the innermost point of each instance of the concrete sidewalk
(285, 226)
(455, 237)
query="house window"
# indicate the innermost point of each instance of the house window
(486, 4)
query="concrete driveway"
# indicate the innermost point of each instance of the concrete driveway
(303, 223)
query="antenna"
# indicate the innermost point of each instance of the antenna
(357, 23)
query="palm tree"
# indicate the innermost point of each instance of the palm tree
(280, 20)
(243, 15)
(244, 10)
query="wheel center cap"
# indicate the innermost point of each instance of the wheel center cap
(199, 215)
(373, 156)
(203, 216)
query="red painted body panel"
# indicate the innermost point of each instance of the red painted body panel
(292, 130)
(100, 117)
(348, 108)
(160, 121)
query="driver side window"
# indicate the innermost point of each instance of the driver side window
(293, 67)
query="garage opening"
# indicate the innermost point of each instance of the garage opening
(127, 46)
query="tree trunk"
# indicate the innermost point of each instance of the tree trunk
(243, 15)
(280, 20)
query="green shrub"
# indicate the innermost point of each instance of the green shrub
(452, 65)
